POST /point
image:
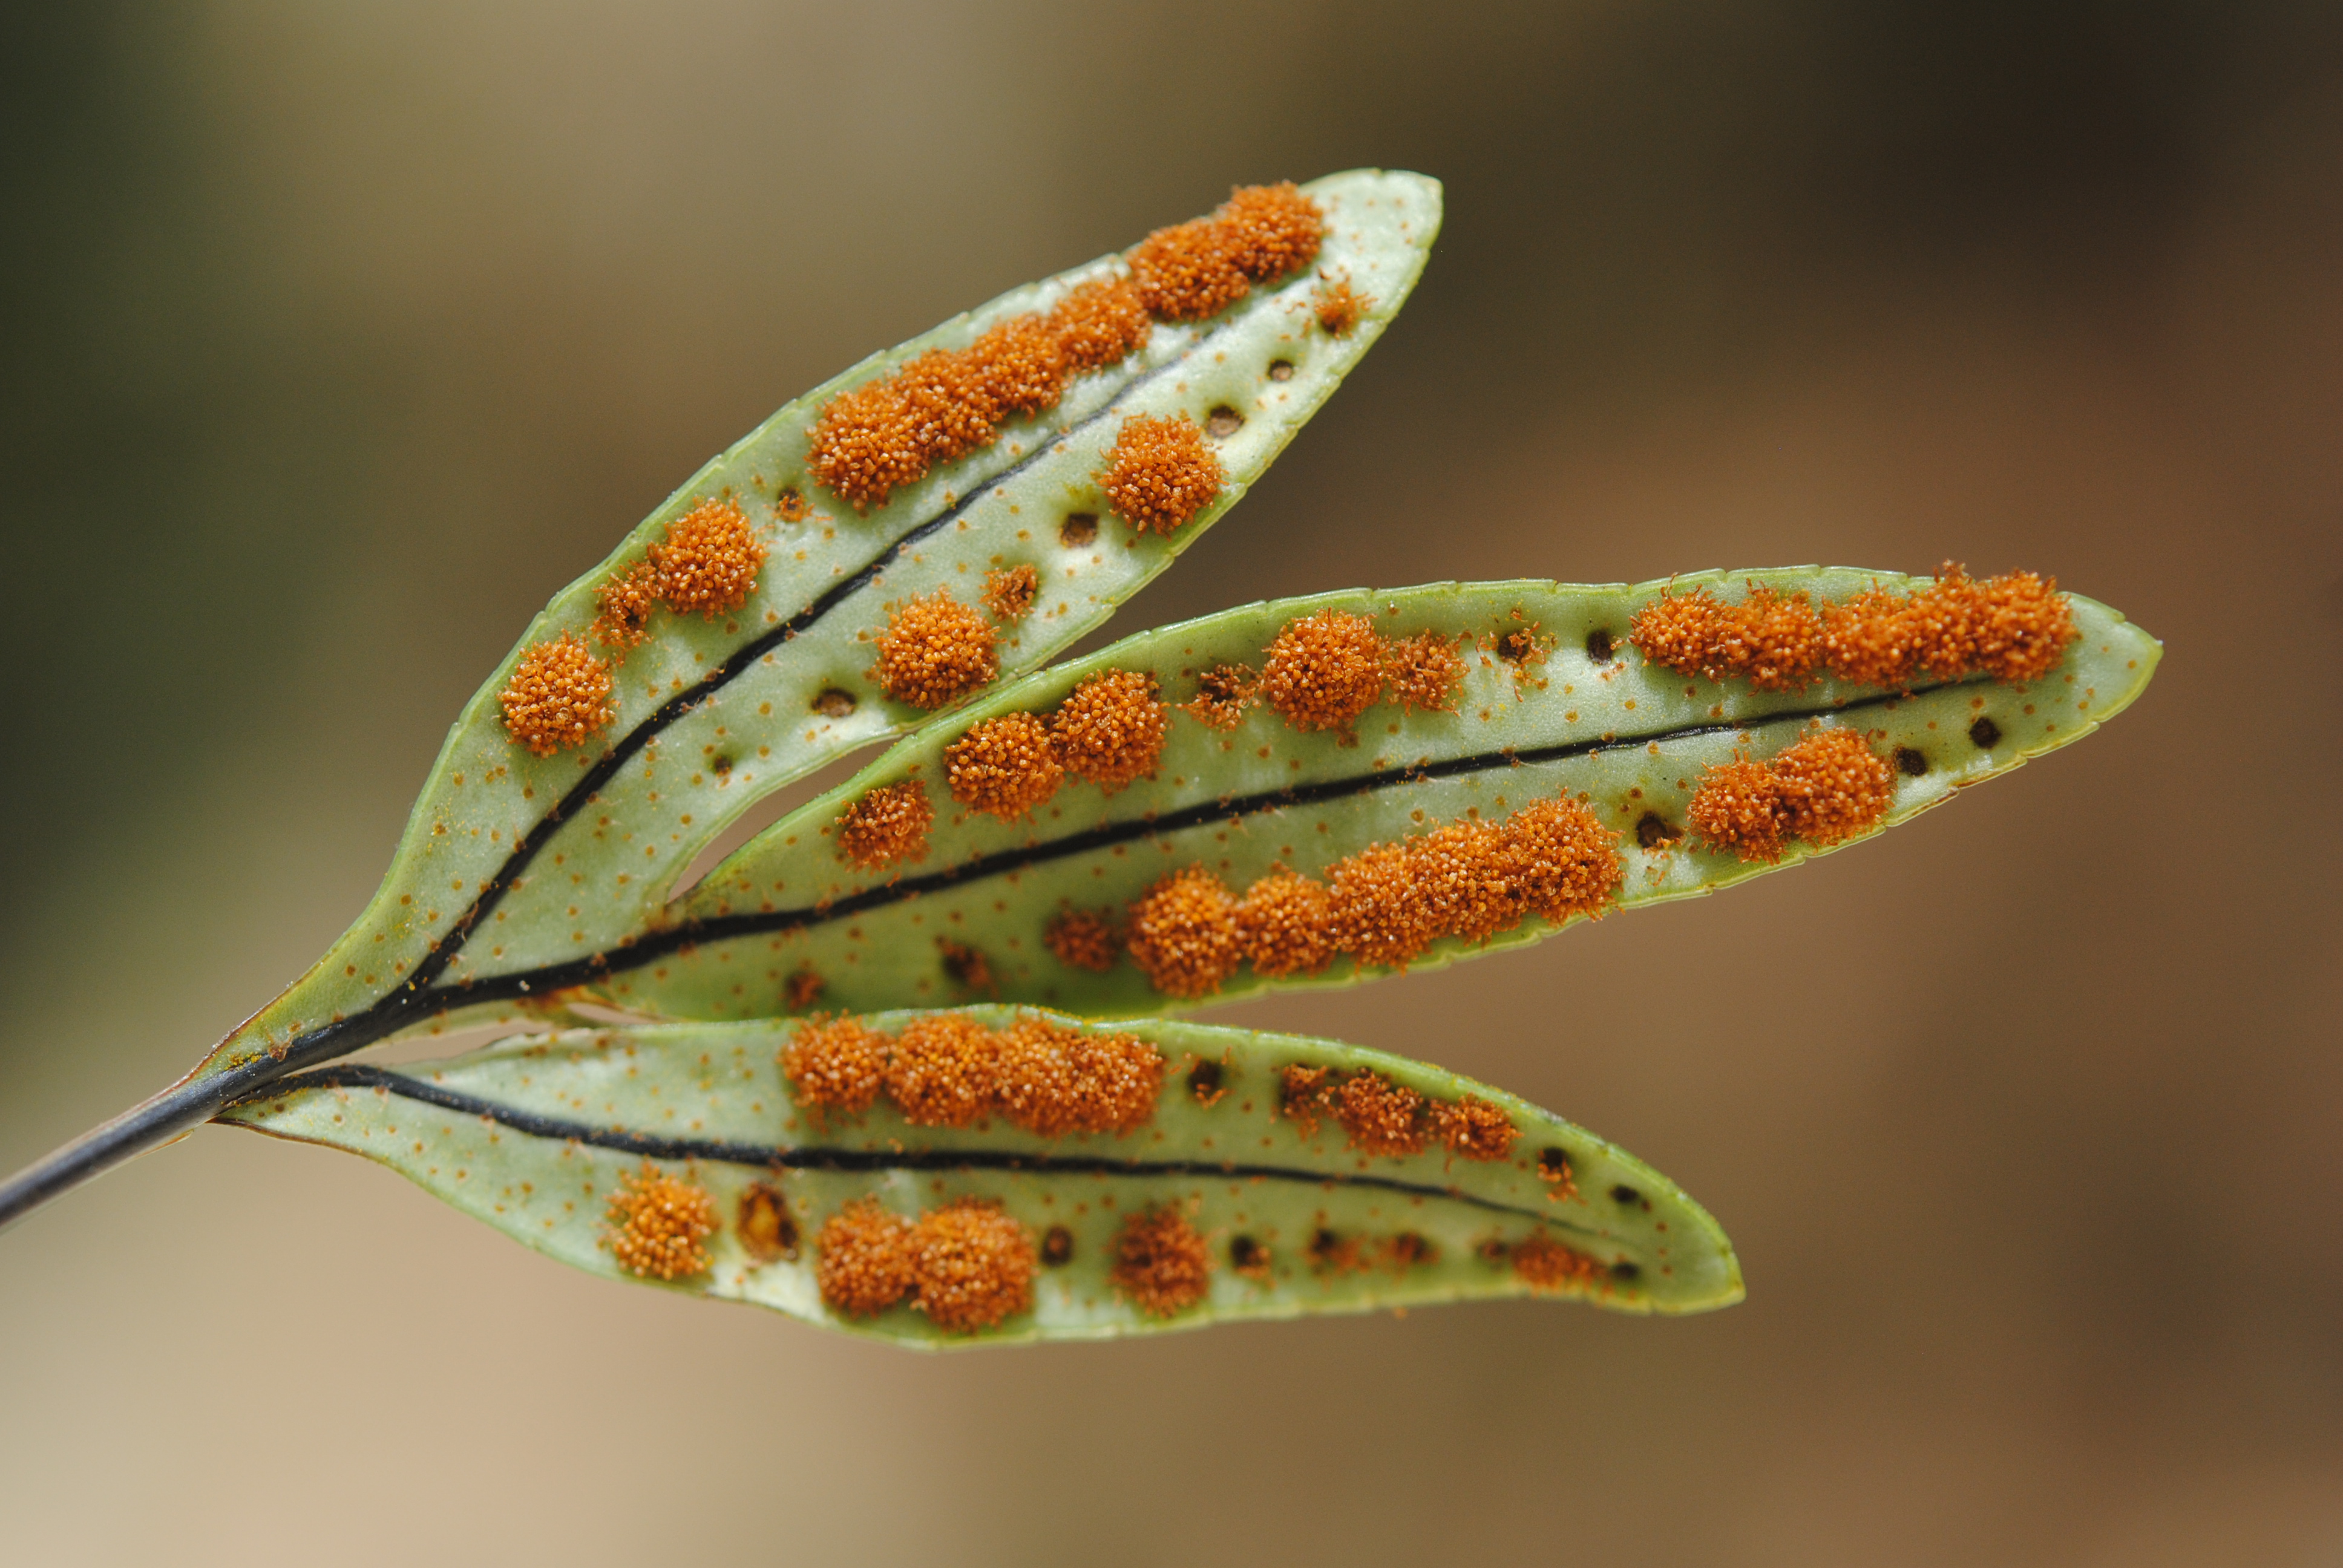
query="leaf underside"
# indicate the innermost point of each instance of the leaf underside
(535, 1137)
(1628, 738)
(511, 859)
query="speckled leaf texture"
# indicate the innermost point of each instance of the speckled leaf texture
(1252, 1176)
(1553, 703)
(514, 861)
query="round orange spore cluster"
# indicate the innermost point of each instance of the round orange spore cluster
(1085, 940)
(887, 827)
(1110, 730)
(623, 605)
(1834, 786)
(1384, 905)
(1338, 306)
(659, 1225)
(1543, 1263)
(2015, 627)
(1158, 473)
(1184, 933)
(1324, 671)
(1098, 322)
(971, 1265)
(1009, 594)
(1056, 1080)
(1275, 229)
(1161, 1263)
(1285, 925)
(1007, 766)
(559, 694)
(1381, 1116)
(1474, 1128)
(1222, 694)
(935, 651)
(865, 1259)
(836, 1065)
(1423, 671)
(946, 1070)
(709, 559)
(1378, 915)
(1825, 789)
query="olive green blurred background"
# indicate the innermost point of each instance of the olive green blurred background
(337, 337)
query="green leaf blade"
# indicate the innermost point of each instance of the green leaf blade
(1632, 738)
(533, 1138)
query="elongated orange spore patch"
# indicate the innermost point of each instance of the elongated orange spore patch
(1085, 940)
(2015, 627)
(836, 1065)
(659, 1224)
(1545, 1264)
(709, 559)
(971, 1265)
(946, 1070)
(864, 1263)
(1006, 766)
(935, 651)
(1324, 671)
(1110, 730)
(1158, 473)
(1009, 594)
(1825, 789)
(1388, 902)
(1161, 1263)
(1056, 1080)
(888, 826)
(559, 694)
(1184, 933)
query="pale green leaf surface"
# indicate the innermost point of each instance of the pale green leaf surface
(1641, 736)
(605, 873)
(524, 1140)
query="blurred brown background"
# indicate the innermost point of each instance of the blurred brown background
(338, 338)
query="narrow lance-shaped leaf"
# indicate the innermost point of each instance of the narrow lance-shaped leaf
(992, 1175)
(1307, 791)
(942, 516)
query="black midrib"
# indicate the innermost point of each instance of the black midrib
(415, 997)
(816, 1157)
(656, 945)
